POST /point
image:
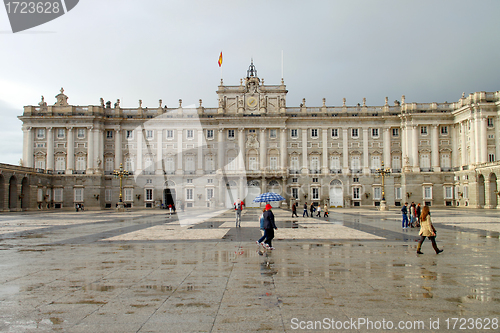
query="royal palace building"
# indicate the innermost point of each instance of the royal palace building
(439, 154)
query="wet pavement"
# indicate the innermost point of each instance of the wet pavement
(146, 271)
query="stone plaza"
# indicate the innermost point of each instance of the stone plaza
(148, 271)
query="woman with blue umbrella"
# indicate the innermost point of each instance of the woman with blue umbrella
(268, 216)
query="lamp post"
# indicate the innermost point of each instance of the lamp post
(383, 172)
(120, 173)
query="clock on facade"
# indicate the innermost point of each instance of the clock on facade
(252, 102)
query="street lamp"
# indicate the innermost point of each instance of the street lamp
(383, 172)
(120, 174)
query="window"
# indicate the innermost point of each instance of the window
(40, 194)
(40, 164)
(272, 133)
(396, 162)
(355, 166)
(189, 180)
(149, 164)
(60, 133)
(210, 181)
(445, 161)
(210, 134)
(448, 192)
(315, 193)
(149, 134)
(78, 194)
(109, 134)
(231, 163)
(149, 181)
(423, 130)
(190, 163)
(210, 193)
(294, 163)
(427, 192)
(354, 133)
(60, 163)
(40, 133)
(129, 164)
(315, 163)
(466, 192)
(251, 131)
(209, 163)
(295, 180)
(444, 130)
(149, 194)
(107, 195)
(491, 157)
(397, 193)
(375, 132)
(80, 133)
(170, 134)
(294, 133)
(128, 192)
(295, 193)
(109, 164)
(355, 193)
(230, 134)
(314, 133)
(273, 163)
(315, 180)
(490, 122)
(58, 194)
(189, 194)
(355, 180)
(252, 163)
(190, 134)
(375, 163)
(335, 133)
(377, 193)
(169, 164)
(335, 162)
(425, 162)
(81, 163)
(395, 132)
(129, 134)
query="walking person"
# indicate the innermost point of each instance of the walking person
(262, 230)
(325, 214)
(170, 209)
(294, 209)
(417, 213)
(427, 230)
(404, 210)
(269, 226)
(305, 210)
(412, 214)
(319, 211)
(311, 209)
(238, 206)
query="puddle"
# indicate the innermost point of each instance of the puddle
(98, 287)
(56, 321)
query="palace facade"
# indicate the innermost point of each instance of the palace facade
(440, 154)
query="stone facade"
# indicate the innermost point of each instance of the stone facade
(437, 153)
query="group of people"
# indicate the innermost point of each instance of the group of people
(79, 206)
(414, 211)
(312, 209)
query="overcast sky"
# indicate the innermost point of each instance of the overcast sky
(430, 51)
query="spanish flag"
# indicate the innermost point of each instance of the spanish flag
(220, 59)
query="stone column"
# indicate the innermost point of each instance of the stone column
(241, 146)
(463, 143)
(90, 149)
(435, 165)
(472, 137)
(283, 150)
(159, 152)
(454, 147)
(199, 168)
(70, 149)
(483, 139)
(50, 149)
(25, 146)
(345, 152)
(99, 149)
(28, 158)
(497, 138)
(180, 155)
(118, 148)
(305, 164)
(414, 146)
(263, 150)
(404, 147)
(387, 148)
(366, 156)
(139, 136)
(324, 167)
(220, 151)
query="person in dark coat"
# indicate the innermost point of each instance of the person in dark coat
(311, 209)
(305, 211)
(294, 209)
(269, 226)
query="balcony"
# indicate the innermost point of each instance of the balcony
(60, 172)
(356, 171)
(336, 171)
(396, 170)
(168, 172)
(465, 167)
(446, 169)
(148, 172)
(209, 172)
(79, 172)
(373, 170)
(108, 173)
(314, 171)
(189, 172)
(426, 170)
(295, 172)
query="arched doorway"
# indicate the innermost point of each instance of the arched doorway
(336, 194)
(25, 198)
(13, 193)
(169, 194)
(480, 191)
(2, 193)
(493, 191)
(253, 192)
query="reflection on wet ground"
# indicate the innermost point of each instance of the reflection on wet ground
(70, 277)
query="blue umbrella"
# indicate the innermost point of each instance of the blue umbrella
(268, 197)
